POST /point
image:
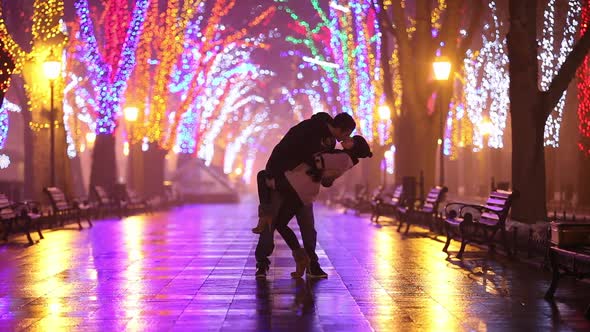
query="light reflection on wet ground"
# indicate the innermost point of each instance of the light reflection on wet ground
(193, 269)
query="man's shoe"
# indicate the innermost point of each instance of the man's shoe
(315, 271)
(261, 271)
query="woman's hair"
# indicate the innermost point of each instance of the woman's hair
(361, 148)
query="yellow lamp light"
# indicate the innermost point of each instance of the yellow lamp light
(442, 68)
(131, 114)
(384, 112)
(52, 66)
(486, 127)
(90, 138)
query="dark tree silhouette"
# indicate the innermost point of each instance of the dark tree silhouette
(530, 107)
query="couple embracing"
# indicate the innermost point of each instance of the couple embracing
(299, 164)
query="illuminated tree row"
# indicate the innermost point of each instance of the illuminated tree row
(159, 51)
(48, 32)
(110, 81)
(485, 88)
(178, 60)
(345, 47)
(249, 124)
(482, 93)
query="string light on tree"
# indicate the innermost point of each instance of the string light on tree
(486, 84)
(7, 106)
(110, 82)
(584, 90)
(345, 47)
(550, 61)
(4, 161)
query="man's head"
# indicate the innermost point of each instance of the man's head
(342, 126)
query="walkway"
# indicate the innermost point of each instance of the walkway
(192, 269)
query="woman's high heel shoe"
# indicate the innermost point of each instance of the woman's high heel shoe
(262, 223)
(301, 263)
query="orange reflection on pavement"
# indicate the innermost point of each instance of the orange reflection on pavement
(133, 231)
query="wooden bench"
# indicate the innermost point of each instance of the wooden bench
(106, 203)
(467, 220)
(568, 262)
(134, 203)
(387, 204)
(11, 213)
(358, 202)
(65, 210)
(427, 209)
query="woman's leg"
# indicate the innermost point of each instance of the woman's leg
(286, 213)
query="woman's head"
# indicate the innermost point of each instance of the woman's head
(357, 146)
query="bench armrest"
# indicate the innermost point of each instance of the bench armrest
(460, 209)
(476, 211)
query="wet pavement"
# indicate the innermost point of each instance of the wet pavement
(192, 269)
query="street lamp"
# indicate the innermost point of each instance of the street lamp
(384, 112)
(130, 114)
(442, 71)
(52, 69)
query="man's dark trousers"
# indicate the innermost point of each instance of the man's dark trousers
(306, 221)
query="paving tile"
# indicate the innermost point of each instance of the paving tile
(192, 269)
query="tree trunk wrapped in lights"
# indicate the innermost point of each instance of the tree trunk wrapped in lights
(110, 72)
(47, 36)
(531, 107)
(179, 62)
(346, 48)
(417, 40)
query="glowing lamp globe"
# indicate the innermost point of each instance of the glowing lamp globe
(52, 67)
(486, 127)
(90, 138)
(131, 114)
(442, 68)
(384, 112)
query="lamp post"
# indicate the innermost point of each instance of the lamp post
(52, 69)
(442, 70)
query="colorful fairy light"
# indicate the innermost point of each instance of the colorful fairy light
(15, 52)
(48, 32)
(4, 161)
(179, 59)
(550, 61)
(7, 106)
(7, 66)
(79, 109)
(486, 85)
(164, 39)
(482, 95)
(209, 75)
(255, 123)
(584, 90)
(110, 82)
(345, 46)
